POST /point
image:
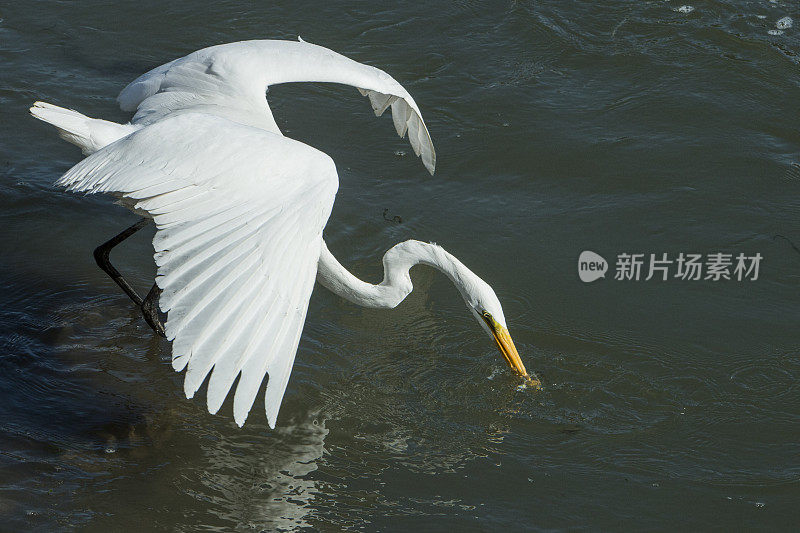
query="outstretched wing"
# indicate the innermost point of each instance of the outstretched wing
(230, 80)
(239, 215)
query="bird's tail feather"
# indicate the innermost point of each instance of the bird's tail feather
(88, 134)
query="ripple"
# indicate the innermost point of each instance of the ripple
(764, 377)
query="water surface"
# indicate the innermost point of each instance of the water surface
(560, 127)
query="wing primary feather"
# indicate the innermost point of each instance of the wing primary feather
(224, 374)
(258, 354)
(207, 320)
(200, 314)
(236, 341)
(207, 348)
(279, 369)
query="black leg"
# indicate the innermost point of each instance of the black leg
(101, 256)
(149, 305)
(150, 310)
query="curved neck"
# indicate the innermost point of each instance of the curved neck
(396, 284)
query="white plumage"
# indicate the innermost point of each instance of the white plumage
(239, 208)
(240, 216)
(88, 134)
(229, 80)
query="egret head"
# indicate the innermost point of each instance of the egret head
(478, 295)
(484, 305)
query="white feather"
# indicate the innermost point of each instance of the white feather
(241, 221)
(88, 134)
(230, 80)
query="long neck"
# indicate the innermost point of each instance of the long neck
(396, 284)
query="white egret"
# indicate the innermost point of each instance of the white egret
(239, 211)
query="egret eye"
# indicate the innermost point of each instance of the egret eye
(487, 315)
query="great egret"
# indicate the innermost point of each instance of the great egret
(239, 211)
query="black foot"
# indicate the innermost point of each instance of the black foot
(150, 311)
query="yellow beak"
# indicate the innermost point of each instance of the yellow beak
(509, 351)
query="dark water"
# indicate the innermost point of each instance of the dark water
(621, 127)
